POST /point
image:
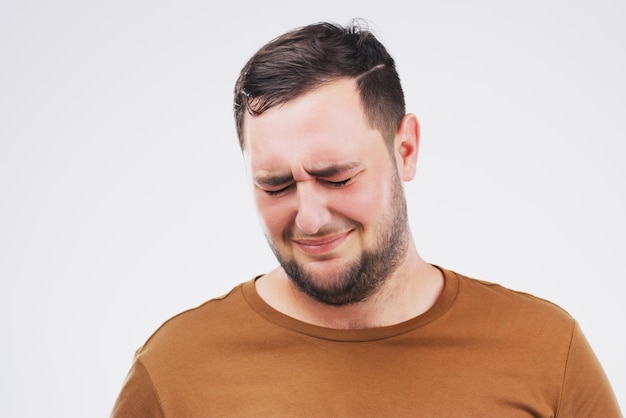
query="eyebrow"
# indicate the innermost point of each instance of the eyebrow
(275, 180)
(332, 169)
(272, 180)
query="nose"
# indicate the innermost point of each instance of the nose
(313, 212)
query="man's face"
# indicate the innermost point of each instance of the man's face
(328, 194)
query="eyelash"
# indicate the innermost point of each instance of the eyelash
(339, 183)
(333, 184)
(277, 192)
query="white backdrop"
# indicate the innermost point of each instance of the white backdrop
(123, 199)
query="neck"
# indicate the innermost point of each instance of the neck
(410, 291)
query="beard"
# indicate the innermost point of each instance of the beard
(362, 277)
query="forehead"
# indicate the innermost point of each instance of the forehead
(323, 126)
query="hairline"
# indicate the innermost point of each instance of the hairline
(246, 113)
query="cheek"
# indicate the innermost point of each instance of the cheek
(275, 214)
(364, 203)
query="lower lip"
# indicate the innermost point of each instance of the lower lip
(324, 247)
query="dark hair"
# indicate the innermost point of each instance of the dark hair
(303, 59)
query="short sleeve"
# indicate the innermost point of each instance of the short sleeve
(137, 398)
(586, 389)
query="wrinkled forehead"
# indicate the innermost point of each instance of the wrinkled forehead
(324, 128)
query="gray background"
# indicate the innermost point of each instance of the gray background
(123, 197)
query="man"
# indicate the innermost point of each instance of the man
(353, 322)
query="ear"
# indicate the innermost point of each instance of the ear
(406, 146)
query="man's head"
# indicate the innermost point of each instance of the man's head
(306, 58)
(327, 145)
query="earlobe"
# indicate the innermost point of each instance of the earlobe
(407, 146)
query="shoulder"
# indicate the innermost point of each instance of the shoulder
(194, 326)
(497, 305)
(499, 294)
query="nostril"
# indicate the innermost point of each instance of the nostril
(311, 218)
(307, 222)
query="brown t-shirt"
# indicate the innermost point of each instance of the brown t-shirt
(481, 350)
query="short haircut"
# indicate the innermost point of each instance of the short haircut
(307, 57)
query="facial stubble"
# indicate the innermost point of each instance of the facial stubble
(361, 278)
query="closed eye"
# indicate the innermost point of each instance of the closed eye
(279, 191)
(339, 184)
(332, 184)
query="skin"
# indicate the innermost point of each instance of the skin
(328, 191)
